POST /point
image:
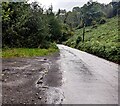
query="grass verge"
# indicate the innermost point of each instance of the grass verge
(27, 52)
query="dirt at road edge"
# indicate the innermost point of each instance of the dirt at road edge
(35, 80)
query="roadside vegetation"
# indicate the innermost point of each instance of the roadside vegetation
(95, 27)
(30, 30)
(27, 52)
(29, 27)
(102, 41)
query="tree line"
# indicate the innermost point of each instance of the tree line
(29, 25)
(90, 14)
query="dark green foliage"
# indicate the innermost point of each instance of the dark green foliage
(89, 13)
(102, 21)
(11, 24)
(28, 25)
(78, 40)
(66, 33)
(24, 26)
(116, 7)
(55, 29)
(92, 11)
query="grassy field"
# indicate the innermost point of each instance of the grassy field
(102, 41)
(27, 52)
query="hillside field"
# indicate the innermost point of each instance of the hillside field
(102, 40)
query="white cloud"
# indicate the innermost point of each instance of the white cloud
(104, 1)
(66, 4)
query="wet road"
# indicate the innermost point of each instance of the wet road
(87, 79)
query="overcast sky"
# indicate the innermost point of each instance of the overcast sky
(66, 4)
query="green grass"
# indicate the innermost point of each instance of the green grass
(27, 52)
(101, 41)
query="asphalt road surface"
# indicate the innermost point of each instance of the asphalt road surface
(68, 77)
(87, 79)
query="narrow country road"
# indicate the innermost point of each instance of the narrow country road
(87, 79)
(68, 77)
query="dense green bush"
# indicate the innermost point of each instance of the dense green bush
(55, 29)
(28, 25)
(66, 33)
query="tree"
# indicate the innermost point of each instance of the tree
(24, 25)
(55, 29)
